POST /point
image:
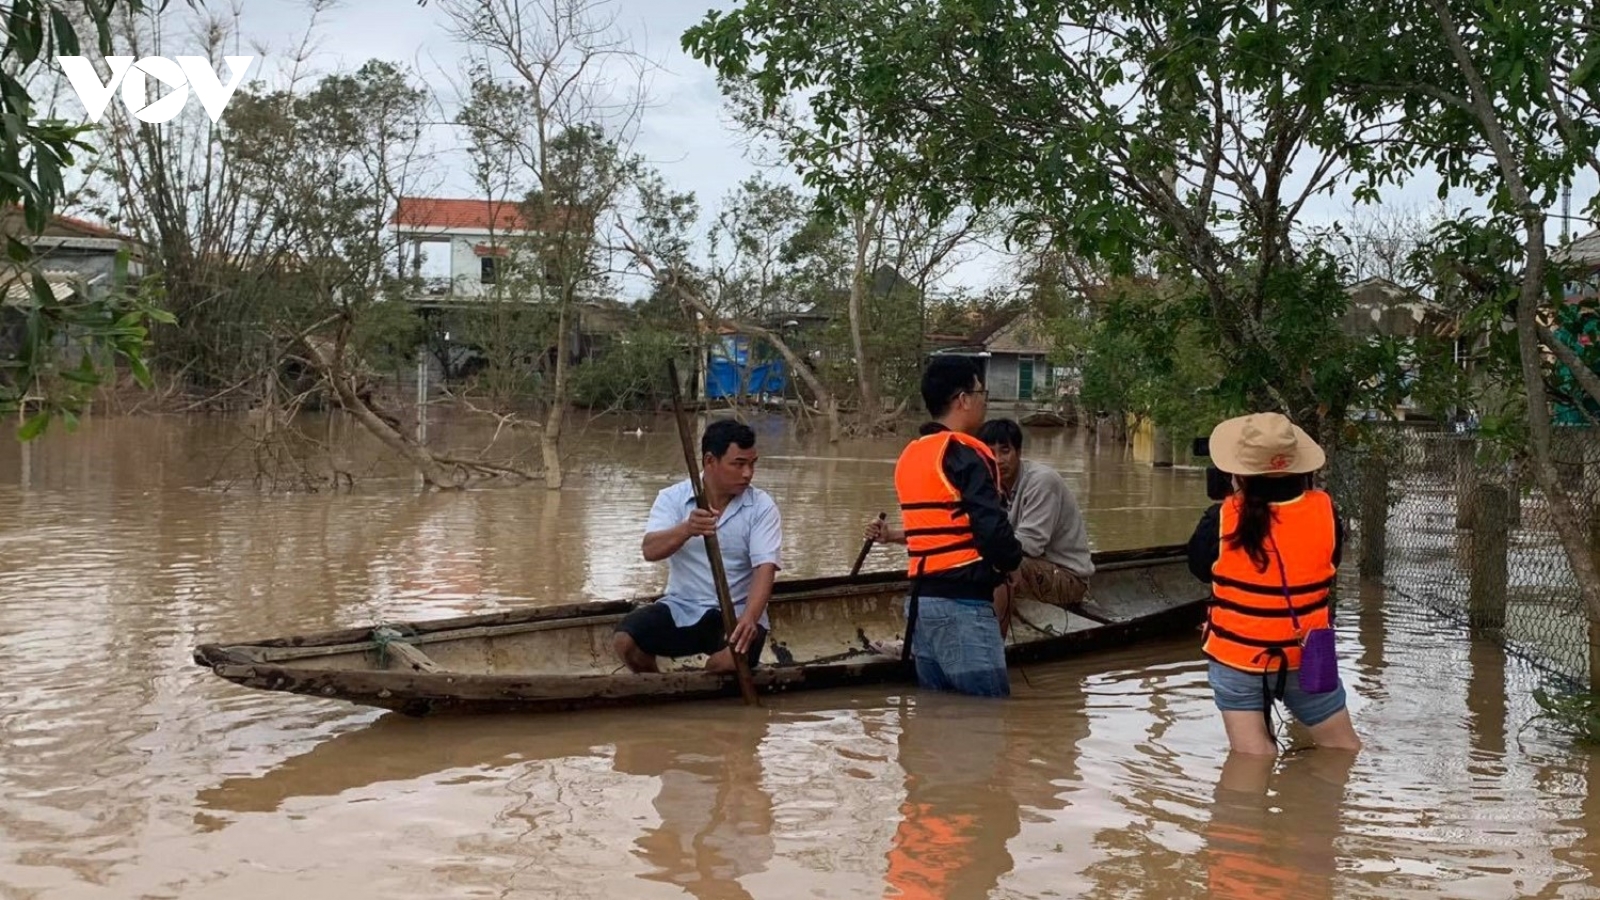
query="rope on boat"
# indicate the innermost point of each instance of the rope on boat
(383, 635)
(1048, 629)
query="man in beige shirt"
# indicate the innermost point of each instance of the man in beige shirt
(1057, 564)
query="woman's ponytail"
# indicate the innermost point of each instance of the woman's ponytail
(1255, 524)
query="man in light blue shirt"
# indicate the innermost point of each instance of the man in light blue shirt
(687, 619)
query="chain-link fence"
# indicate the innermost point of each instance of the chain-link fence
(1470, 535)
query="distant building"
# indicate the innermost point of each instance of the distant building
(1014, 351)
(477, 236)
(76, 257)
(1381, 308)
(73, 249)
(1583, 255)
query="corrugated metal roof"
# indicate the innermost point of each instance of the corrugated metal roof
(19, 290)
(1585, 250)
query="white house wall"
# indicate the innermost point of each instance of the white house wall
(466, 270)
(1002, 377)
(466, 267)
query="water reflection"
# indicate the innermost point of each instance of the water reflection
(1273, 826)
(958, 813)
(716, 819)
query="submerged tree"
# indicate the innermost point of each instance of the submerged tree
(325, 170)
(550, 105)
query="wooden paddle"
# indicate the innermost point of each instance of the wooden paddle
(741, 665)
(866, 547)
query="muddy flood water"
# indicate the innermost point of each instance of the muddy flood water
(127, 771)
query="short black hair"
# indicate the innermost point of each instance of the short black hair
(721, 435)
(945, 378)
(1001, 433)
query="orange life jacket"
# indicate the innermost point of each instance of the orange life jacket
(1248, 617)
(938, 535)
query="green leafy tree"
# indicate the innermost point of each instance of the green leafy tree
(659, 245)
(326, 168)
(1164, 132)
(1503, 100)
(37, 376)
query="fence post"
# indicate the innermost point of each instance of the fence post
(1514, 513)
(422, 398)
(1374, 517)
(1594, 624)
(1465, 483)
(1486, 606)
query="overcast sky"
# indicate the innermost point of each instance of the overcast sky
(685, 134)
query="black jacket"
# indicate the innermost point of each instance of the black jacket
(991, 528)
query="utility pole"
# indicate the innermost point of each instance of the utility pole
(1566, 212)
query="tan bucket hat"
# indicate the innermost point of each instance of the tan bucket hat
(1264, 444)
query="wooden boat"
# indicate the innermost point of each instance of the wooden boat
(1044, 418)
(826, 632)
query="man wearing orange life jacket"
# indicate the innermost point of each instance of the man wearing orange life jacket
(958, 535)
(1271, 537)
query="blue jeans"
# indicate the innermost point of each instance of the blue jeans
(1237, 691)
(957, 646)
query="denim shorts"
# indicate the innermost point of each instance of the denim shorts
(1237, 691)
(958, 647)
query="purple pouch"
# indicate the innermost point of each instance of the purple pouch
(1319, 669)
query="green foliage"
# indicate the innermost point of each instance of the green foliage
(1573, 713)
(1146, 353)
(891, 337)
(962, 102)
(387, 336)
(321, 168)
(42, 380)
(1578, 326)
(1532, 71)
(562, 180)
(1499, 99)
(1477, 265)
(631, 373)
(1153, 349)
(102, 326)
(764, 249)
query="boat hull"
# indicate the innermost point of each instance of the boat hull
(826, 633)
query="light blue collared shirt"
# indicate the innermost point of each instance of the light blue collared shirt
(750, 533)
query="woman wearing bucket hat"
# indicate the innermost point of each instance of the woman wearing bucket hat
(1270, 551)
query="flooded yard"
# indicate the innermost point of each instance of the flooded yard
(126, 771)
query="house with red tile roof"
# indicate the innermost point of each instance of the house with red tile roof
(475, 235)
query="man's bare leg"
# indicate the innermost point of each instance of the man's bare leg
(1003, 605)
(635, 659)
